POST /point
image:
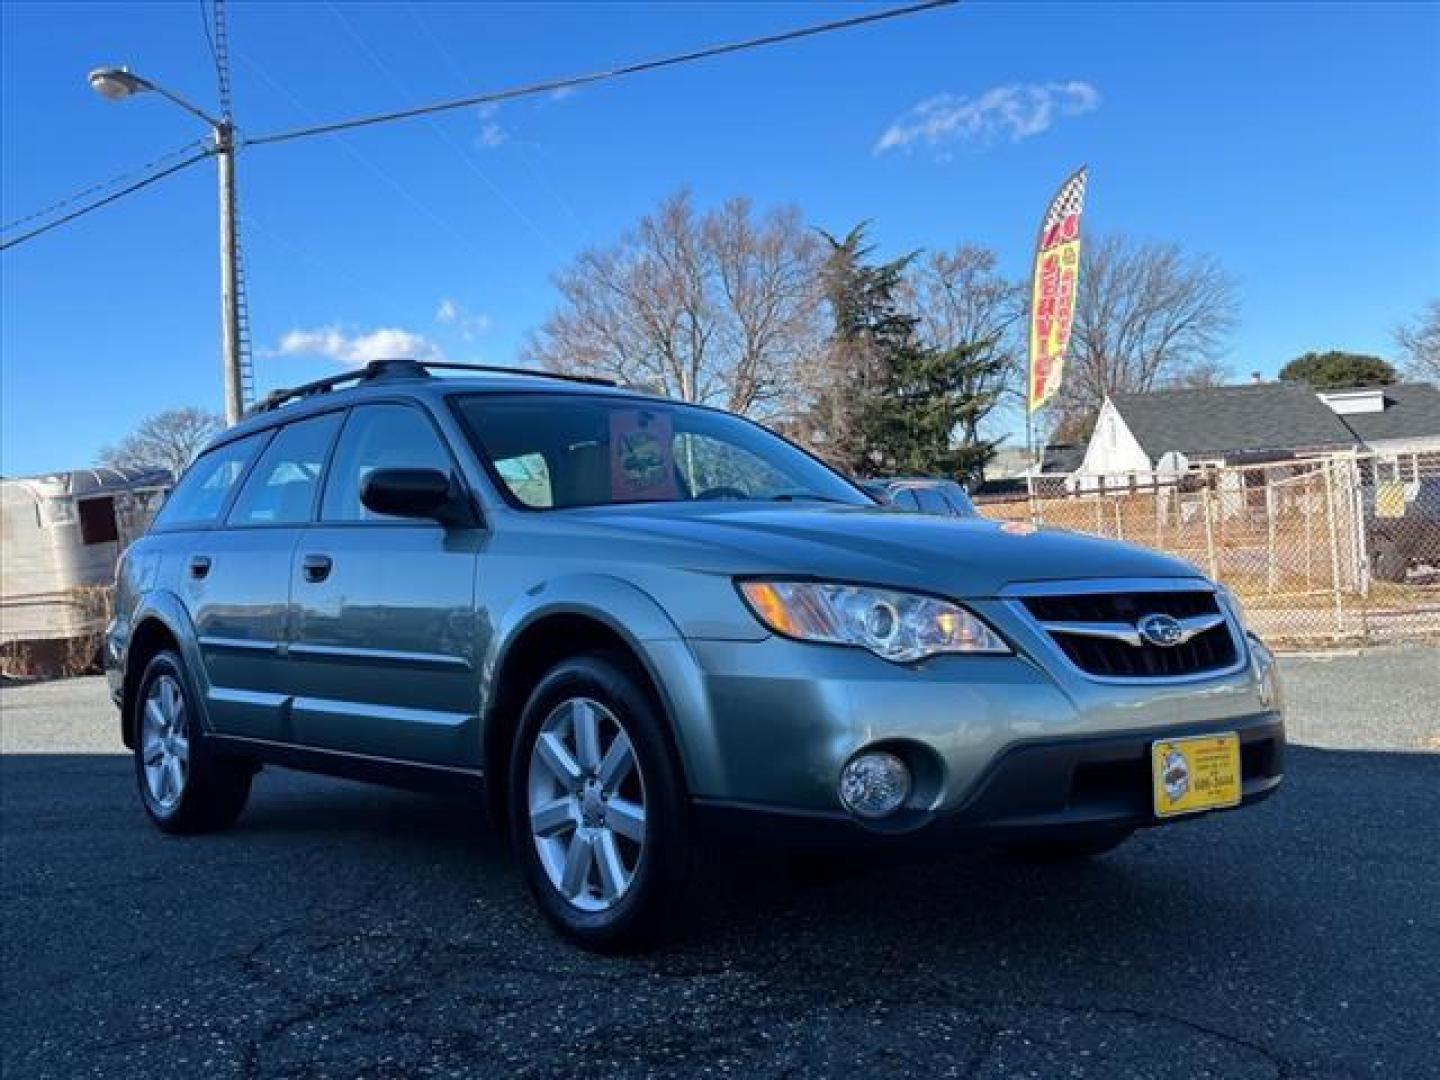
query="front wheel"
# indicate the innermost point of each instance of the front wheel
(184, 786)
(597, 807)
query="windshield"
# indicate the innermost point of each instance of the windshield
(550, 451)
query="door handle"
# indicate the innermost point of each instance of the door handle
(316, 567)
(199, 566)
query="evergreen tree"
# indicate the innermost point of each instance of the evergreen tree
(887, 404)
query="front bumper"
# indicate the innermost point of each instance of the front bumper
(997, 744)
(1042, 789)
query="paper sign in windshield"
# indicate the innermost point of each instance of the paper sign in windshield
(642, 461)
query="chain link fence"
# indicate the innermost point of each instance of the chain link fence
(1331, 550)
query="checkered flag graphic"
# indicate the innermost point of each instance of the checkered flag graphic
(1070, 199)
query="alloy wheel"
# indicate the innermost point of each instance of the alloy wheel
(586, 799)
(165, 742)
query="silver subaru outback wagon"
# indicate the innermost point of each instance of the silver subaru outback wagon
(632, 627)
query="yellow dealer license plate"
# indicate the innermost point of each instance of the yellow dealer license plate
(1197, 773)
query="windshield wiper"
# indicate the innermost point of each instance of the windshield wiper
(786, 496)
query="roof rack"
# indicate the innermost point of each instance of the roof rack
(406, 368)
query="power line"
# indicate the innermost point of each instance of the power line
(97, 204)
(530, 90)
(449, 228)
(214, 56)
(445, 136)
(599, 76)
(84, 193)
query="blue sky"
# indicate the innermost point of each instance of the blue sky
(1300, 144)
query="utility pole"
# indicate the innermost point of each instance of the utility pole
(118, 83)
(229, 290)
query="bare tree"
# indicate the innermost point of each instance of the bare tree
(719, 308)
(961, 300)
(1419, 342)
(168, 440)
(1147, 316)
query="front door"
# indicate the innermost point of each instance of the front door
(383, 642)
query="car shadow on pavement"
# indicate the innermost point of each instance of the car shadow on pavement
(1296, 937)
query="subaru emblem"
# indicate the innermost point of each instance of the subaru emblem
(1162, 630)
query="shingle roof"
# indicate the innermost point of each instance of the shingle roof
(1412, 411)
(1224, 421)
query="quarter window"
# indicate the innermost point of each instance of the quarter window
(905, 499)
(379, 437)
(201, 493)
(281, 489)
(932, 502)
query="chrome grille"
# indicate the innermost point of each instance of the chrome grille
(1099, 632)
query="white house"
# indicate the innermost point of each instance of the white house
(1254, 423)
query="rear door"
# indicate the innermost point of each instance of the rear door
(214, 575)
(383, 645)
(242, 577)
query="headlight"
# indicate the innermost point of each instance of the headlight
(893, 625)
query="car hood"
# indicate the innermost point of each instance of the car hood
(972, 557)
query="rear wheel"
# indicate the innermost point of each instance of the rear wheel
(597, 807)
(1070, 848)
(184, 785)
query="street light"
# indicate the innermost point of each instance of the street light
(119, 83)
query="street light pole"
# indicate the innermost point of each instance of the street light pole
(118, 83)
(229, 296)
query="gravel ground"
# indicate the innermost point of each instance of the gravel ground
(346, 931)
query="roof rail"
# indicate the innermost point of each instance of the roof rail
(497, 369)
(406, 368)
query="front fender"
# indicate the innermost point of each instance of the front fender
(638, 620)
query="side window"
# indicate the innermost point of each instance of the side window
(960, 502)
(932, 502)
(281, 488)
(379, 437)
(905, 499)
(201, 493)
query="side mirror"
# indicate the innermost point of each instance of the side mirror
(416, 493)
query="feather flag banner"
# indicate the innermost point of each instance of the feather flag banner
(1053, 290)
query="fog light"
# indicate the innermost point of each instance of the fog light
(874, 784)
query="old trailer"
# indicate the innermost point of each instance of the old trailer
(60, 537)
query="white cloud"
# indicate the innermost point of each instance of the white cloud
(334, 343)
(560, 93)
(492, 133)
(1014, 112)
(469, 324)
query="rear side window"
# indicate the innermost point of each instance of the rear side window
(379, 437)
(281, 488)
(932, 502)
(201, 493)
(959, 501)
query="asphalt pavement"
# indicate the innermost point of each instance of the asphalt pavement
(341, 930)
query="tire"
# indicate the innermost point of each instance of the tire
(1071, 849)
(608, 879)
(1388, 562)
(185, 786)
